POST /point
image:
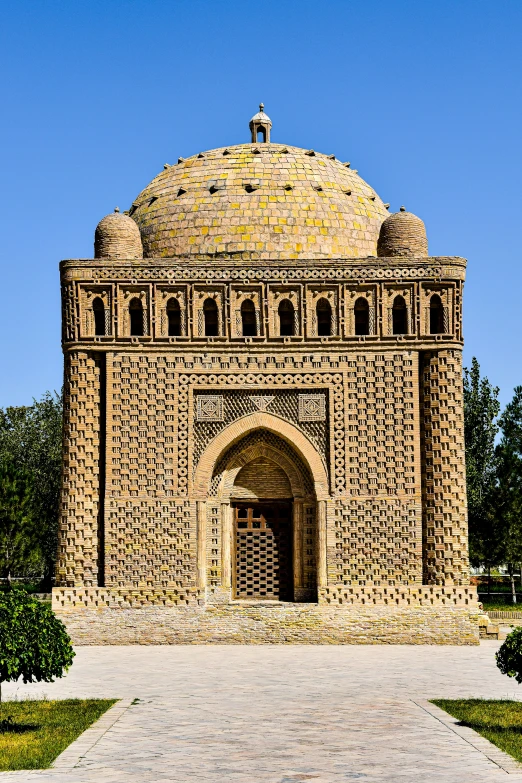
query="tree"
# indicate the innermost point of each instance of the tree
(19, 551)
(508, 492)
(31, 436)
(509, 655)
(481, 408)
(34, 643)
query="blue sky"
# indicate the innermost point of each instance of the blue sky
(423, 98)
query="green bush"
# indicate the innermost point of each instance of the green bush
(34, 643)
(509, 656)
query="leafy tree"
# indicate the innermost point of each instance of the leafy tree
(509, 655)
(508, 493)
(32, 437)
(34, 643)
(19, 549)
(481, 408)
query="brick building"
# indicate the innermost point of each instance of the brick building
(263, 423)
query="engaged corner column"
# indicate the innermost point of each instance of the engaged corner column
(226, 545)
(298, 545)
(201, 538)
(322, 578)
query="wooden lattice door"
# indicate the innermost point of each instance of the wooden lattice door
(263, 551)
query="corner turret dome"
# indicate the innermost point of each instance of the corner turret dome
(403, 234)
(117, 236)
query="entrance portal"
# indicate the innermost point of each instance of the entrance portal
(263, 551)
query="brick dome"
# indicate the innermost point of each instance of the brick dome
(262, 201)
(403, 234)
(117, 236)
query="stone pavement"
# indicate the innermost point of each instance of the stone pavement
(278, 714)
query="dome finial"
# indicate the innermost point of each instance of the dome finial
(260, 125)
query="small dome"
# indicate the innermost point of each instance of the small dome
(117, 236)
(261, 117)
(403, 234)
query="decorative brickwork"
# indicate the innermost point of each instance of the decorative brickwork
(312, 407)
(79, 544)
(209, 407)
(260, 358)
(444, 477)
(260, 439)
(284, 403)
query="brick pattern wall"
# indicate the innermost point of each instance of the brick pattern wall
(445, 542)
(149, 530)
(78, 550)
(382, 399)
(377, 543)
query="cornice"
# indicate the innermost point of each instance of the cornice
(224, 270)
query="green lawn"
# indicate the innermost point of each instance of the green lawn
(40, 730)
(501, 606)
(499, 721)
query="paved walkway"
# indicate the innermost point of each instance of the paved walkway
(277, 714)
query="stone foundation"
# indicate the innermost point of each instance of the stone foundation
(274, 624)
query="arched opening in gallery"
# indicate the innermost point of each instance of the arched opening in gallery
(399, 316)
(98, 310)
(137, 317)
(210, 314)
(361, 311)
(248, 319)
(436, 315)
(174, 317)
(324, 317)
(286, 313)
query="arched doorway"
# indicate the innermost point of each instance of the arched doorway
(269, 530)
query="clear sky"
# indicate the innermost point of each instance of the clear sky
(424, 98)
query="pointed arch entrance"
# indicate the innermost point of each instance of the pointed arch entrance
(270, 484)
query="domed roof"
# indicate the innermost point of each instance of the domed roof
(261, 116)
(403, 234)
(262, 201)
(117, 236)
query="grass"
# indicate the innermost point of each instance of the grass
(498, 606)
(34, 733)
(498, 720)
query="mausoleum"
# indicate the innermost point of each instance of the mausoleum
(263, 413)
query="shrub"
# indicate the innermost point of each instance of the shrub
(509, 656)
(34, 643)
